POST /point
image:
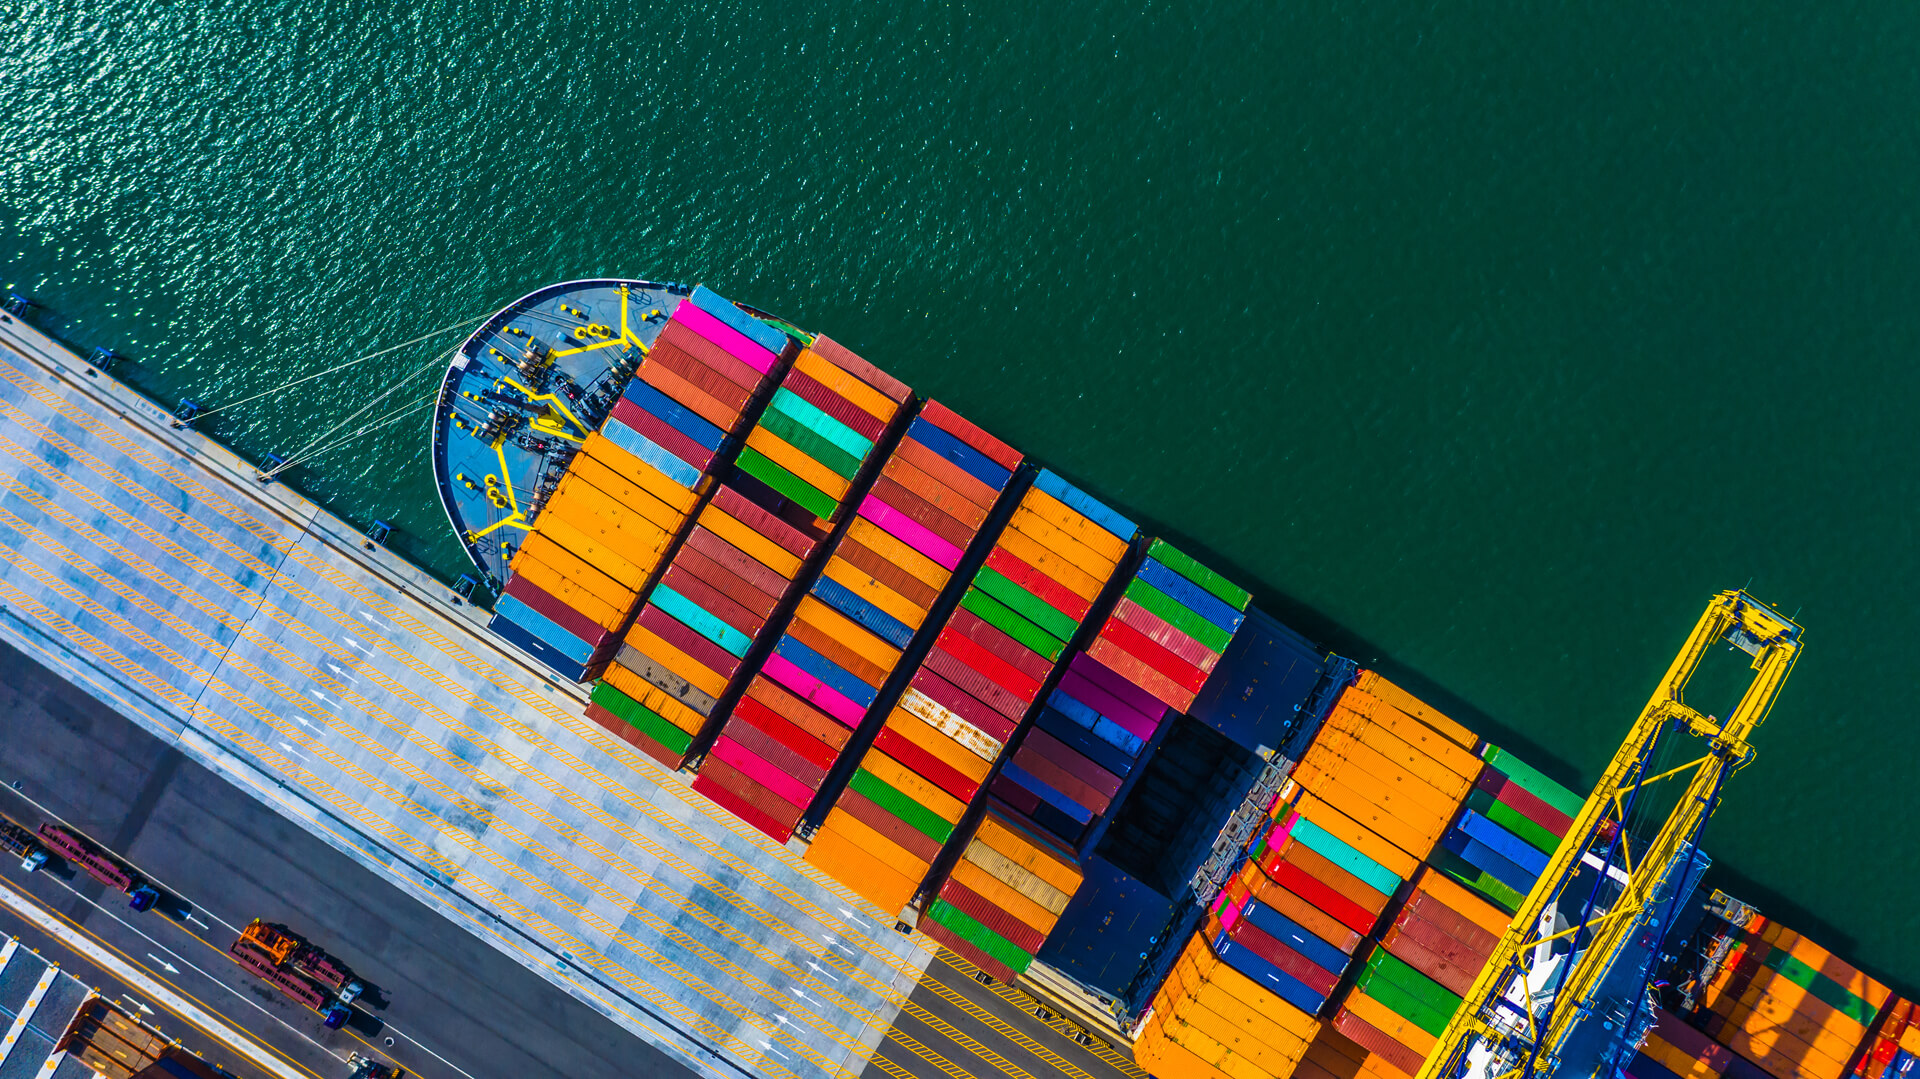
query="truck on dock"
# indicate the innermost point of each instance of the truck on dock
(100, 865)
(22, 844)
(298, 968)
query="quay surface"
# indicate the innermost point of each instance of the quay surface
(347, 690)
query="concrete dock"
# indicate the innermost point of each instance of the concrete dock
(354, 695)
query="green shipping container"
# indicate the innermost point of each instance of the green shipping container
(1003, 618)
(811, 498)
(1025, 603)
(1229, 593)
(1402, 1003)
(807, 441)
(979, 935)
(1531, 781)
(1509, 818)
(641, 718)
(884, 795)
(1172, 612)
(1821, 986)
(1475, 880)
(849, 440)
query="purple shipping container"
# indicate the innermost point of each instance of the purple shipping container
(1076, 686)
(1072, 762)
(1119, 686)
(963, 704)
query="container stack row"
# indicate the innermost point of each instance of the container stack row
(1039, 582)
(1428, 958)
(687, 645)
(1789, 1005)
(1334, 1056)
(1150, 658)
(1211, 1020)
(598, 539)
(797, 710)
(573, 583)
(1673, 1050)
(898, 556)
(969, 695)
(1168, 632)
(1003, 896)
(1510, 827)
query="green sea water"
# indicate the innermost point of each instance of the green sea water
(1483, 341)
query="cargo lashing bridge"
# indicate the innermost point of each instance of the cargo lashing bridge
(1517, 1020)
(250, 628)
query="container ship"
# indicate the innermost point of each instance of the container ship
(1072, 754)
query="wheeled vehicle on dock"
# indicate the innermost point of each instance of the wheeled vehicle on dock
(298, 968)
(100, 865)
(22, 844)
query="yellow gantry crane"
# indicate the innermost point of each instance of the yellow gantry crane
(1516, 1019)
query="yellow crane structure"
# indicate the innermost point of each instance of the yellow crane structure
(1544, 974)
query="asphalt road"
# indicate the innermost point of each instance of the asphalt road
(444, 1005)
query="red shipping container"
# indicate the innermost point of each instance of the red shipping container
(842, 357)
(931, 768)
(751, 802)
(789, 706)
(688, 366)
(697, 648)
(711, 600)
(952, 423)
(1411, 945)
(925, 513)
(963, 704)
(1428, 907)
(710, 355)
(773, 751)
(1024, 802)
(1509, 793)
(1375, 1041)
(1050, 773)
(1323, 870)
(1073, 762)
(1141, 647)
(738, 562)
(1309, 974)
(736, 588)
(808, 389)
(1051, 592)
(664, 436)
(1164, 634)
(1005, 648)
(958, 946)
(1135, 670)
(952, 476)
(556, 610)
(704, 404)
(968, 651)
(976, 685)
(982, 910)
(623, 730)
(775, 726)
(935, 493)
(873, 564)
(1295, 880)
(740, 508)
(868, 812)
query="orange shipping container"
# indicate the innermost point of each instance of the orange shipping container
(1195, 1041)
(599, 518)
(1414, 837)
(1462, 902)
(753, 544)
(796, 461)
(1356, 710)
(857, 393)
(951, 753)
(1380, 689)
(649, 478)
(840, 858)
(1387, 1022)
(1037, 860)
(595, 553)
(550, 554)
(1058, 514)
(1069, 576)
(1358, 836)
(1060, 542)
(1407, 798)
(1382, 752)
(702, 677)
(543, 577)
(650, 695)
(857, 581)
(908, 782)
(849, 633)
(1162, 1059)
(883, 543)
(1230, 1036)
(884, 850)
(636, 499)
(1003, 895)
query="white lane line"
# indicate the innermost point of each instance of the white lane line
(391, 1029)
(173, 1002)
(189, 964)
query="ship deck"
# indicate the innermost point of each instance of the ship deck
(352, 694)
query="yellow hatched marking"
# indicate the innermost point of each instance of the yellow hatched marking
(913, 1046)
(588, 732)
(997, 1025)
(1027, 1004)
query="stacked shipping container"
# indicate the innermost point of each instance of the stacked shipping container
(1004, 895)
(816, 435)
(1212, 1020)
(1167, 633)
(897, 558)
(1789, 1005)
(627, 493)
(698, 623)
(1509, 828)
(1894, 1051)
(1674, 1050)
(1334, 1056)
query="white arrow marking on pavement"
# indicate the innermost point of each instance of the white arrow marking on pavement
(131, 975)
(171, 969)
(136, 1004)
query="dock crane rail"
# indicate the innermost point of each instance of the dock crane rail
(1523, 1040)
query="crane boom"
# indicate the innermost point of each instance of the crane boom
(1521, 1030)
